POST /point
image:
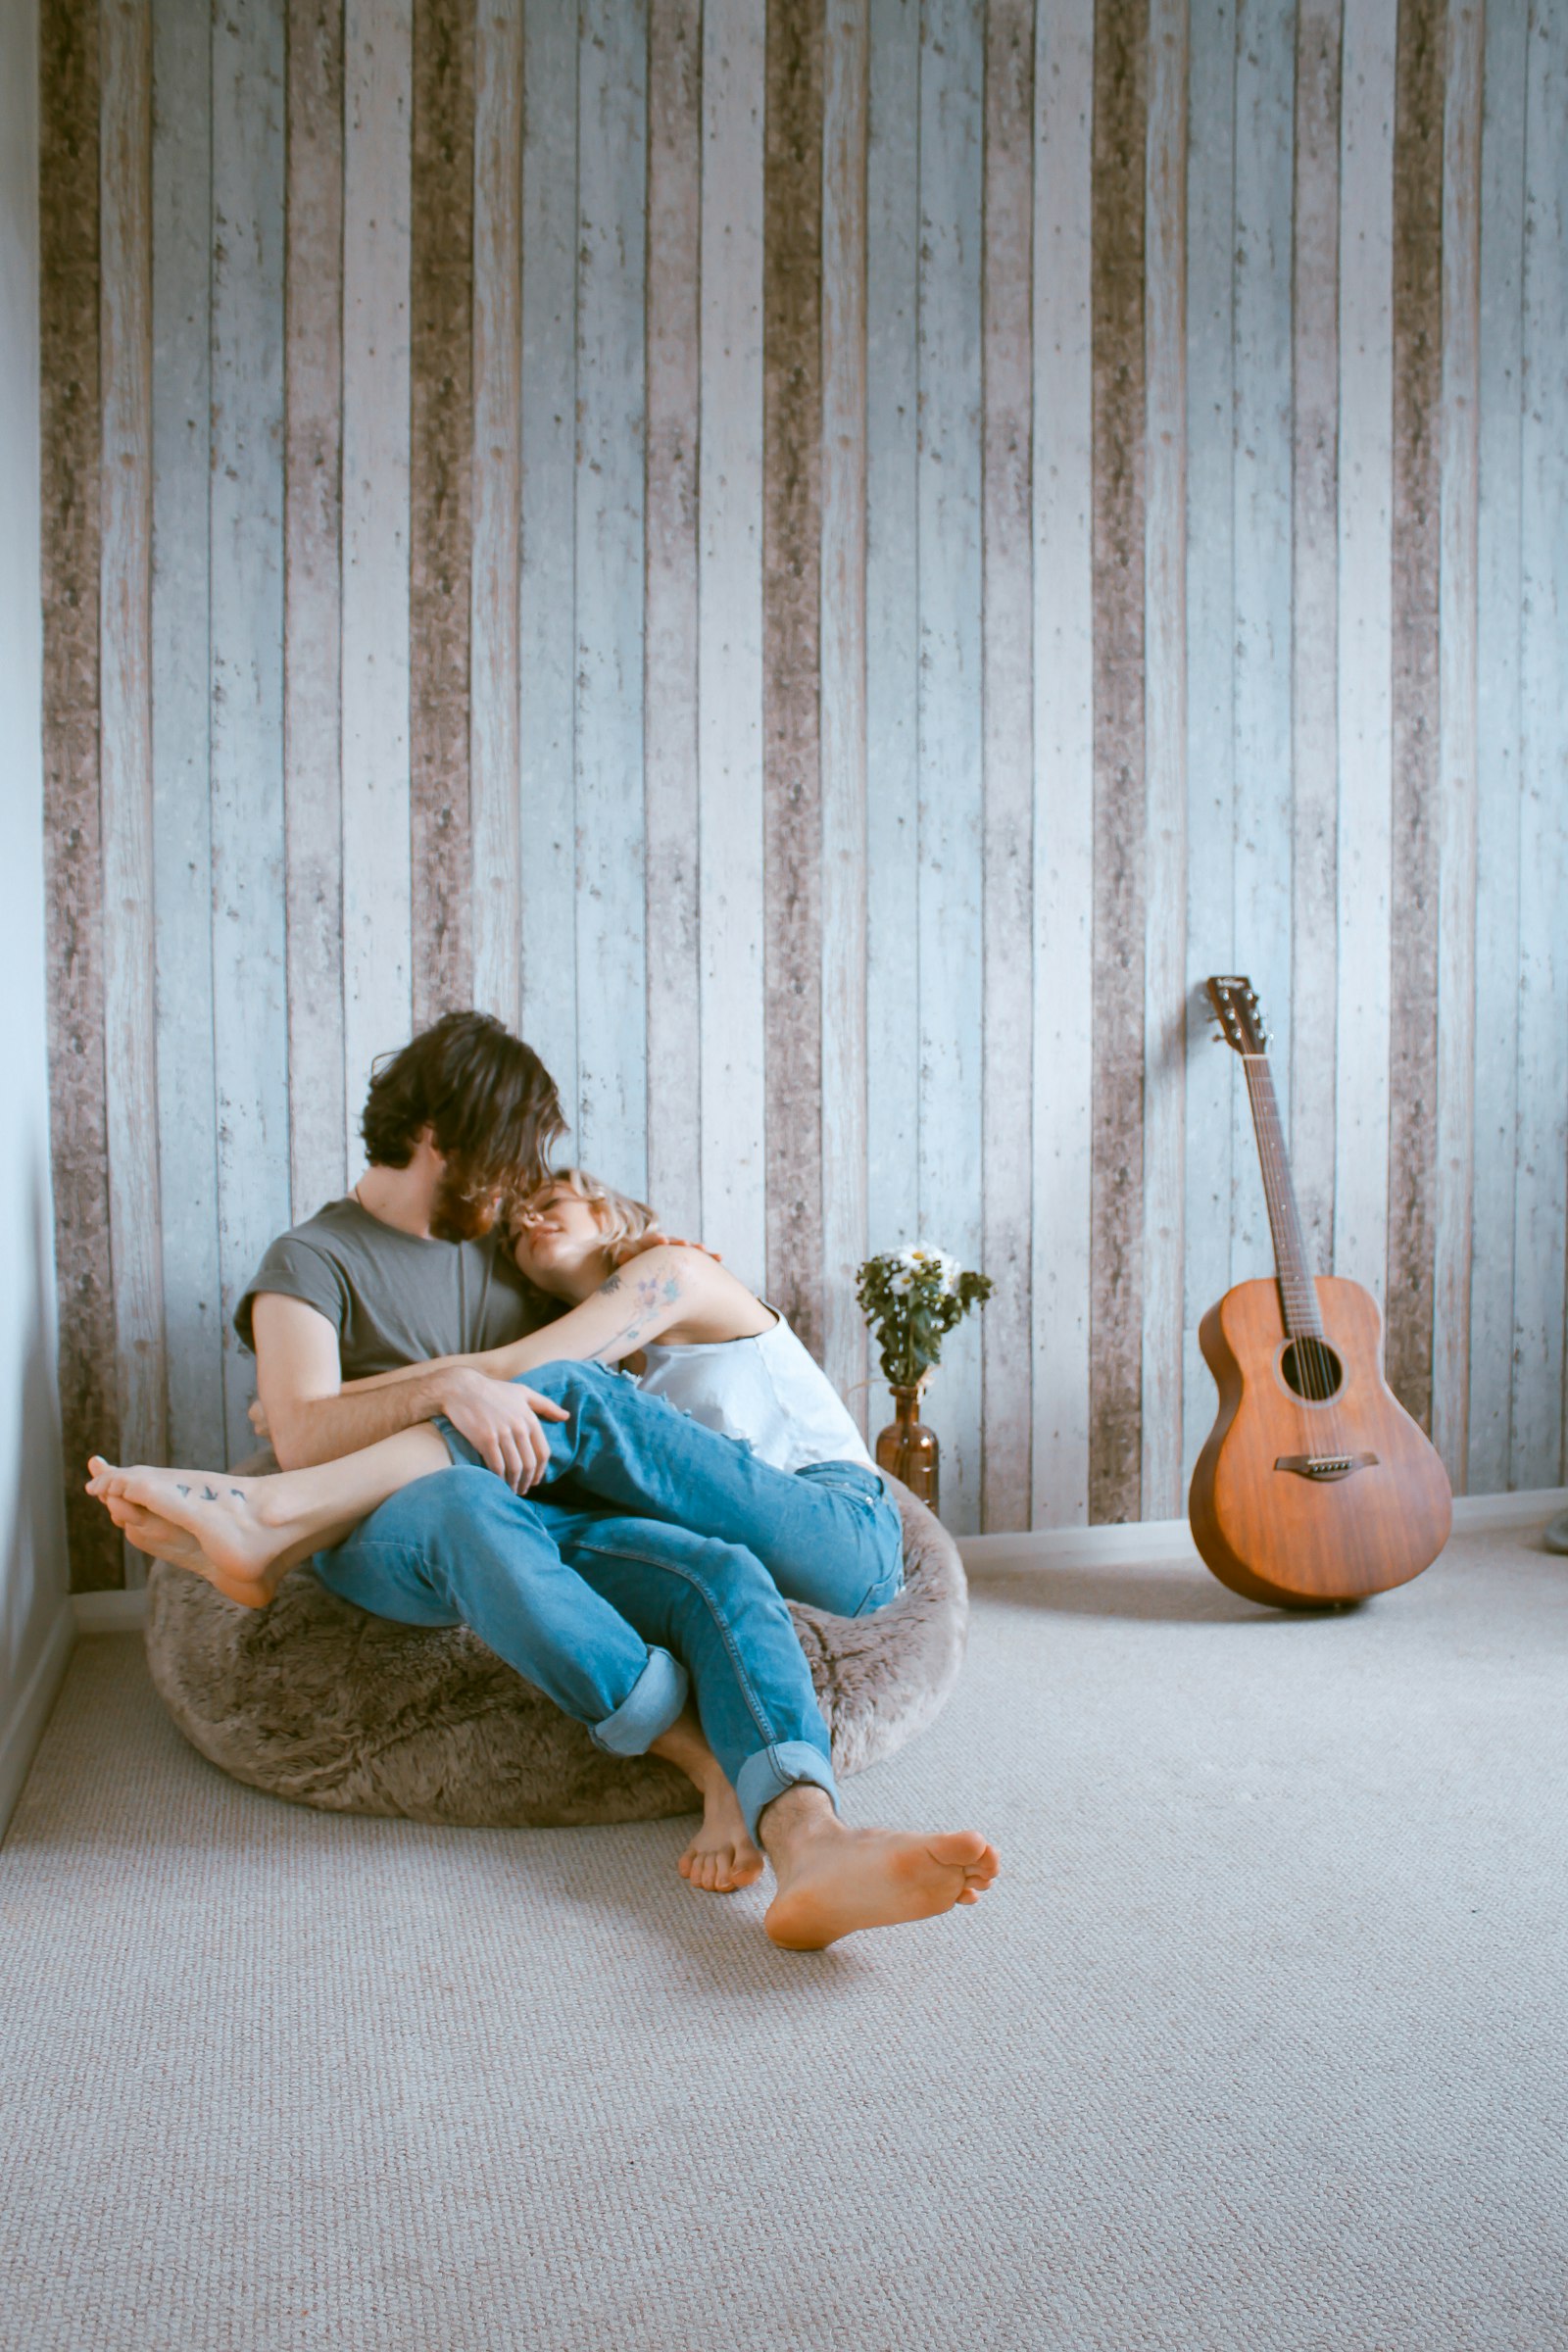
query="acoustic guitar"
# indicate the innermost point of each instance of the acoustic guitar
(1315, 1486)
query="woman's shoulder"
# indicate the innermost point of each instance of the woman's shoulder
(714, 1305)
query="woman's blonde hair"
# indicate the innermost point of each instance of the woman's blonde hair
(621, 1218)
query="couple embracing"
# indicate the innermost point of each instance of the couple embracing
(437, 1364)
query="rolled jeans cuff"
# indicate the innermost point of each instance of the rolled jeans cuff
(652, 1705)
(773, 1770)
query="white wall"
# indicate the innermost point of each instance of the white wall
(34, 1612)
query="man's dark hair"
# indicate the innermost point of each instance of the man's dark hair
(487, 1099)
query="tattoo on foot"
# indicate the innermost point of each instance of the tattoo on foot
(208, 1493)
(182, 1490)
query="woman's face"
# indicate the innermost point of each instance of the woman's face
(558, 1235)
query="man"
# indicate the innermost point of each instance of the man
(617, 1617)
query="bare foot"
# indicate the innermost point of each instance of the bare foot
(208, 1524)
(833, 1880)
(721, 1856)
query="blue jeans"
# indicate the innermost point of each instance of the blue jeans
(829, 1535)
(607, 1610)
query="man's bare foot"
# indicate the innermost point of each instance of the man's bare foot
(721, 1856)
(833, 1880)
(210, 1524)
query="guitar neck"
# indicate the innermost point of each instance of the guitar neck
(1298, 1290)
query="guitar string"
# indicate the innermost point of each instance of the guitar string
(1311, 1355)
(1254, 1066)
(1314, 1360)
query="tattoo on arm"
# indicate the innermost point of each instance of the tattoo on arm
(651, 1295)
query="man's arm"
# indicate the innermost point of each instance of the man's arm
(299, 1380)
(671, 1285)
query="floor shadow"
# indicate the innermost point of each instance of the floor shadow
(1168, 1595)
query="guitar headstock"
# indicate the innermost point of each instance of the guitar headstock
(1234, 1003)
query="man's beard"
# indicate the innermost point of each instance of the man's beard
(466, 1208)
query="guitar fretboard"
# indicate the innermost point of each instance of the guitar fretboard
(1297, 1290)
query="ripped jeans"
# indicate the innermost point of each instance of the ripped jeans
(654, 1563)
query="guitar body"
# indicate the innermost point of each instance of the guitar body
(1308, 1537)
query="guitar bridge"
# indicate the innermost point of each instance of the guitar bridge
(1324, 1468)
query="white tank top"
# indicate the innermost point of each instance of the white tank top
(767, 1390)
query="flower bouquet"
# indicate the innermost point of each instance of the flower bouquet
(911, 1298)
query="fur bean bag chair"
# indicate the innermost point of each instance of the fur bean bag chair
(314, 1700)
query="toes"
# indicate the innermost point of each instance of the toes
(968, 1895)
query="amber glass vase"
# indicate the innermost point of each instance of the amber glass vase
(907, 1451)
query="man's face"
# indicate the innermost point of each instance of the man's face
(466, 1208)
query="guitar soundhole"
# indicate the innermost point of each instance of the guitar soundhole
(1311, 1369)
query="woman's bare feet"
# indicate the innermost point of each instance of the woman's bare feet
(833, 1880)
(721, 1856)
(214, 1523)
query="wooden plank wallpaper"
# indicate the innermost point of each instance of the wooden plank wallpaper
(827, 559)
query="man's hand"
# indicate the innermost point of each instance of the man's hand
(655, 1239)
(499, 1418)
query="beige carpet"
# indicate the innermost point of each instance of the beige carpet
(1257, 2045)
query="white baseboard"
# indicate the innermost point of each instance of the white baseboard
(116, 1612)
(19, 1742)
(1119, 1547)
(1149, 1541)
(1143, 1542)
(1478, 1514)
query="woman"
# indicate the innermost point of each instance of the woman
(799, 1488)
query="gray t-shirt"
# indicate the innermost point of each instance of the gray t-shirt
(394, 1298)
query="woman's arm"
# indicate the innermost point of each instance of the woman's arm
(673, 1292)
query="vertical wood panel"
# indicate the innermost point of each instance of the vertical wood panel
(1416, 518)
(377, 879)
(1458, 746)
(1314, 749)
(674, 224)
(1498, 722)
(792, 532)
(892, 430)
(1065, 770)
(126, 687)
(1366, 802)
(1265, 74)
(1164, 1042)
(948, 896)
(1008, 837)
(831, 561)
(71, 452)
(250, 1038)
(730, 637)
(612, 955)
(440, 525)
(1115, 1382)
(496, 494)
(1212, 1083)
(313, 608)
(1540, 1183)
(547, 581)
(846, 103)
(187, 1083)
